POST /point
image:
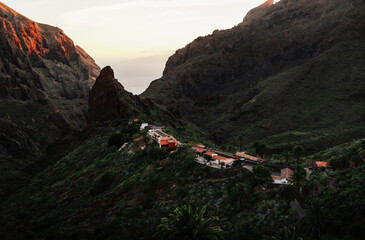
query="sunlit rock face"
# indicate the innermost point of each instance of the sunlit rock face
(44, 84)
(271, 74)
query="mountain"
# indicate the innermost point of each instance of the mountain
(290, 73)
(44, 85)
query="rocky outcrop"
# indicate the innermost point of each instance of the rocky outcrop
(108, 100)
(105, 101)
(44, 84)
(271, 74)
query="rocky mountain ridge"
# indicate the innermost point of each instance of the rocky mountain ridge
(287, 73)
(44, 85)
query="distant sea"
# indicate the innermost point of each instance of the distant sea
(137, 74)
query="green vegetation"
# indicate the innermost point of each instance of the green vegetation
(260, 148)
(185, 223)
(98, 192)
(261, 174)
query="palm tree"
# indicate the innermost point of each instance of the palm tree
(298, 152)
(260, 148)
(286, 155)
(186, 224)
(240, 192)
(283, 234)
(240, 140)
(288, 193)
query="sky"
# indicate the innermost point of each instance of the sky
(135, 37)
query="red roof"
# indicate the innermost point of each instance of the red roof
(220, 158)
(200, 146)
(321, 164)
(136, 120)
(137, 139)
(199, 150)
(209, 153)
(246, 156)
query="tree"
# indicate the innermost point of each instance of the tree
(240, 192)
(240, 139)
(299, 176)
(186, 224)
(117, 139)
(288, 193)
(261, 174)
(340, 162)
(158, 153)
(298, 152)
(284, 234)
(286, 155)
(260, 148)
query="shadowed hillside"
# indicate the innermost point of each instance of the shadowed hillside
(290, 72)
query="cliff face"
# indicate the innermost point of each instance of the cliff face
(44, 84)
(293, 66)
(108, 100)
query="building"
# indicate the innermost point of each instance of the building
(244, 156)
(199, 151)
(163, 139)
(210, 153)
(143, 126)
(219, 159)
(285, 175)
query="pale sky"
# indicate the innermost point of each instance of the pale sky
(116, 31)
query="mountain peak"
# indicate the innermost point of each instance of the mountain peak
(106, 75)
(257, 12)
(106, 97)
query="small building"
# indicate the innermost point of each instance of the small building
(219, 159)
(285, 175)
(244, 156)
(143, 126)
(199, 151)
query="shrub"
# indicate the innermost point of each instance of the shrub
(117, 139)
(103, 182)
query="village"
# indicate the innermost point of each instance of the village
(280, 173)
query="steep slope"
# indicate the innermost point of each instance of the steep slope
(44, 84)
(290, 72)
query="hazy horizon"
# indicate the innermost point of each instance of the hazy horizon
(135, 37)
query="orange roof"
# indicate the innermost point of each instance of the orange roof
(137, 139)
(164, 142)
(136, 120)
(321, 164)
(286, 173)
(244, 155)
(199, 150)
(220, 158)
(200, 146)
(209, 153)
(276, 177)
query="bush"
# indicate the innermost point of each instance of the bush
(117, 139)
(103, 182)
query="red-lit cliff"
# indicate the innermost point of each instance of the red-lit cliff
(44, 84)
